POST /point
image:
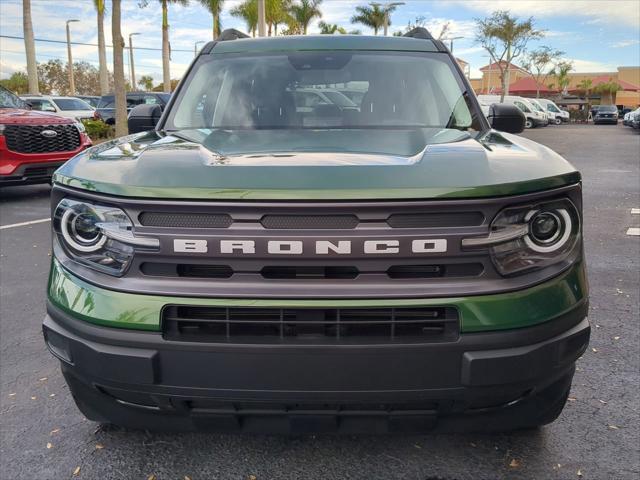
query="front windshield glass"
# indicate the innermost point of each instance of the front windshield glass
(72, 104)
(9, 100)
(552, 108)
(324, 90)
(607, 108)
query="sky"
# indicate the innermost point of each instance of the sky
(596, 35)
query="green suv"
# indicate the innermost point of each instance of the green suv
(321, 234)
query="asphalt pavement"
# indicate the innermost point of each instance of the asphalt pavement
(43, 436)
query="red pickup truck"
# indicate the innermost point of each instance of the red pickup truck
(34, 144)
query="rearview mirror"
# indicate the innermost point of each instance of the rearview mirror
(143, 118)
(506, 118)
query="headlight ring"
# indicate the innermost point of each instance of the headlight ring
(74, 239)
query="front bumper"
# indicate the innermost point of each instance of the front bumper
(489, 380)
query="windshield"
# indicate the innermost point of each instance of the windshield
(323, 90)
(536, 106)
(9, 100)
(72, 104)
(552, 108)
(607, 108)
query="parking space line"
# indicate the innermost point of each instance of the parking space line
(634, 231)
(635, 211)
(24, 224)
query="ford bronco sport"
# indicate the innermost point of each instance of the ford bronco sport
(255, 263)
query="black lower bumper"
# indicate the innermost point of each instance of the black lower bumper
(31, 173)
(483, 381)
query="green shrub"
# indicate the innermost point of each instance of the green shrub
(97, 129)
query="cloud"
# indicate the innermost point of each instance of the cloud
(625, 43)
(590, 66)
(625, 12)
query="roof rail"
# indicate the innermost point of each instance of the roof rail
(231, 34)
(419, 32)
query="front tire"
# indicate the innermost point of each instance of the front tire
(528, 124)
(558, 121)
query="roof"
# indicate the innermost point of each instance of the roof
(323, 42)
(608, 78)
(527, 85)
(494, 66)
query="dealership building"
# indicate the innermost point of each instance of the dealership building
(523, 84)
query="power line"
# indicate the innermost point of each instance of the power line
(47, 40)
(94, 62)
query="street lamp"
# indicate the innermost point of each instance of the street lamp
(451, 39)
(385, 8)
(133, 70)
(72, 85)
(195, 47)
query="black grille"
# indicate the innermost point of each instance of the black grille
(29, 138)
(434, 220)
(186, 270)
(309, 221)
(185, 220)
(310, 325)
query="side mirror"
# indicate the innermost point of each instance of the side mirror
(143, 118)
(506, 118)
(49, 109)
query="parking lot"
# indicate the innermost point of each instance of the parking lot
(43, 435)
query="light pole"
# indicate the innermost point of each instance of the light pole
(386, 7)
(451, 39)
(262, 30)
(133, 69)
(72, 85)
(195, 47)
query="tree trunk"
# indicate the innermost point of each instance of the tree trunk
(507, 74)
(30, 47)
(503, 83)
(102, 53)
(215, 29)
(118, 71)
(166, 73)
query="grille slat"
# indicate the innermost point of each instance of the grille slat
(310, 325)
(29, 138)
(185, 220)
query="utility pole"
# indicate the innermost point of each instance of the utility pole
(195, 47)
(451, 39)
(72, 85)
(386, 7)
(133, 69)
(262, 30)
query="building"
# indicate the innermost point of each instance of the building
(522, 83)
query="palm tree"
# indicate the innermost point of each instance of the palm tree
(118, 71)
(606, 91)
(248, 11)
(146, 82)
(585, 87)
(166, 48)
(215, 9)
(102, 50)
(304, 12)
(30, 47)
(276, 13)
(330, 28)
(372, 17)
(561, 71)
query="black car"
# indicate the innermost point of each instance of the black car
(107, 105)
(606, 114)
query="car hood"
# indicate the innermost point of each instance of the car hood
(15, 116)
(238, 165)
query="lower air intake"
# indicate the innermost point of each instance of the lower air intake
(310, 325)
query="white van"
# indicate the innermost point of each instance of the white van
(557, 114)
(534, 117)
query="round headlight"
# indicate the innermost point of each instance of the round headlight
(81, 231)
(548, 230)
